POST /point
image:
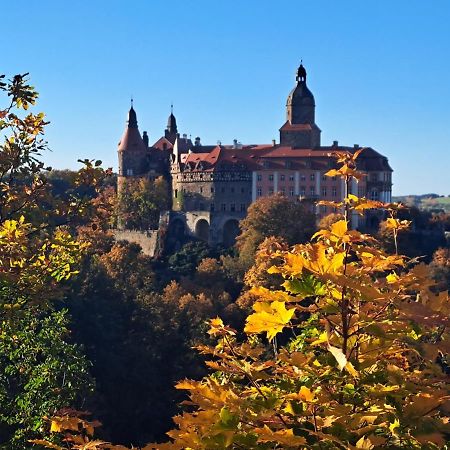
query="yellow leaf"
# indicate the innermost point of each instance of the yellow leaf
(364, 443)
(392, 278)
(284, 437)
(339, 356)
(322, 338)
(339, 228)
(269, 317)
(351, 370)
(305, 394)
(394, 425)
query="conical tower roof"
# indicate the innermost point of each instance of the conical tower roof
(131, 139)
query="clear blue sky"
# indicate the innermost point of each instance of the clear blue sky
(379, 70)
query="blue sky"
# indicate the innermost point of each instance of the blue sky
(379, 70)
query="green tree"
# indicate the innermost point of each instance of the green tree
(41, 371)
(274, 216)
(141, 202)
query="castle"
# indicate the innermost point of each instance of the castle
(213, 185)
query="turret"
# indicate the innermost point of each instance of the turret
(300, 129)
(132, 151)
(172, 129)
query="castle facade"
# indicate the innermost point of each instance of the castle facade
(213, 185)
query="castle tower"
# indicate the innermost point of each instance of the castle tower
(300, 129)
(132, 151)
(171, 131)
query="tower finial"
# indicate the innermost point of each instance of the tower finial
(171, 108)
(301, 72)
(131, 101)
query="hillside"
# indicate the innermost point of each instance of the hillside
(425, 201)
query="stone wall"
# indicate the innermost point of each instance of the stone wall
(148, 240)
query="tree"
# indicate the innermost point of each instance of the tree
(274, 216)
(186, 260)
(41, 370)
(357, 341)
(421, 237)
(141, 202)
(440, 267)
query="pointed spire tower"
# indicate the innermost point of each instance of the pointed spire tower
(132, 149)
(171, 131)
(300, 129)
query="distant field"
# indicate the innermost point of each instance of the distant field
(427, 201)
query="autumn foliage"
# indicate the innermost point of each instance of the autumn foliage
(357, 342)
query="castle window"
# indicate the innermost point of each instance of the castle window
(283, 191)
(324, 192)
(211, 207)
(129, 172)
(324, 177)
(223, 207)
(242, 207)
(291, 177)
(270, 191)
(291, 191)
(232, 207)
(374, 195)
(374, 176)
(259, 192)
(312, 190)
(259, 177)
(312, 177)
(302, 191)
(334, 192)
(271, 177)
(302, 177)
(212, 190)
(201, 190)
(282, 177)
(176, 193)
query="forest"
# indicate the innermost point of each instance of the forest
(303, 335)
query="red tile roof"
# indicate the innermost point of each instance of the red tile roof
(260, 157)
(132, 141)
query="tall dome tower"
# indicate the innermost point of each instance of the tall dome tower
(300, 129)
(300, 105)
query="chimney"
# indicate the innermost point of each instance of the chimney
(356, 146)
(274, 142)
(185, 136)
(235, 143)
(145, 138)
(335, 143)
(197, 141)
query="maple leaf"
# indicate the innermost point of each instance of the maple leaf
(270, 318)
(283, 437)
